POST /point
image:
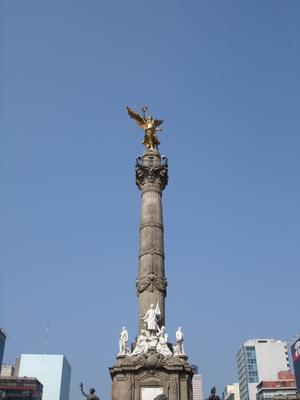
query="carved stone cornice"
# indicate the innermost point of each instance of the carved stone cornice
(152, 282)
(154, 174)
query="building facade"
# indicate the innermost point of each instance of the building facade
(295, 350)
(7, 370)
(12, 388)
(283, 386)
(257, 360)
(197, 384)
(53, 371)
(231, 392)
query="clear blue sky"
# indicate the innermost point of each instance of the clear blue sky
(225, 77)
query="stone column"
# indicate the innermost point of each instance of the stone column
(151, 179)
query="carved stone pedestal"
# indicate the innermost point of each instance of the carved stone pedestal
(139, 378)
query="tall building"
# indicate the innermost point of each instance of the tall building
(197, 387)
(257, 360)
(155, 366)
(295, 350)
(231, 392)
(53, 371)
(14, 388)
(7, 370)
(2, 345)
(10, 370)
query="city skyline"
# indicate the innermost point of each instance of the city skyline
(229, 94)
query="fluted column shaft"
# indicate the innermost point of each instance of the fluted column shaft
(151, 178)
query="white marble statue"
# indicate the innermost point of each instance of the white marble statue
(178, 348)
(151, 319)
(142, 344)
(153, 340)
(162, 346)
(123, 339)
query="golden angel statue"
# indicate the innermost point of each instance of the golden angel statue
(149, 124)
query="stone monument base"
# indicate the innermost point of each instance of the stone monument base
(146, 376)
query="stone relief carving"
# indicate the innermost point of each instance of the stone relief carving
(152, 281)
(152, 360)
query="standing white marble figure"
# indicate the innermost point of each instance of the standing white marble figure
(162, 345)
(178, 349)
(151, 318)
(123, 339)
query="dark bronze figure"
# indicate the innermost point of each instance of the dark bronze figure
(213, 395)
(91, 395)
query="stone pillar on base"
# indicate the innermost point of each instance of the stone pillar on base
(142, 375)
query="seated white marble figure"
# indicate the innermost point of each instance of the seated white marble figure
(162, 346)
(142, 344)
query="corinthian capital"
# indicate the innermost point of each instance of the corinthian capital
(157, 174)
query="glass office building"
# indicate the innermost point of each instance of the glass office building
(2, 345)
(53, 371)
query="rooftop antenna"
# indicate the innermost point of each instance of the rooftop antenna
(46, 339)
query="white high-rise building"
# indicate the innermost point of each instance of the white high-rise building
(231, 392)
(53, 371)
(257, 360)
(197, 387)
(7, 370)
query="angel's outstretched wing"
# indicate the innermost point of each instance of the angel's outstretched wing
(158, 122)
(136, 116)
